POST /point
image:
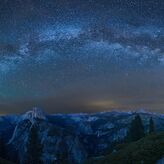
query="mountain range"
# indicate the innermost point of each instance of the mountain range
(76, 137)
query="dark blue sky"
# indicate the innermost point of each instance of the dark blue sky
(81, 56)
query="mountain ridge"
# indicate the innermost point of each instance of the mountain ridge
(81, 135)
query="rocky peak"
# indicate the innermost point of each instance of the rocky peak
(35, 113)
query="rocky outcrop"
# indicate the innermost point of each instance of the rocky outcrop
(35, 113)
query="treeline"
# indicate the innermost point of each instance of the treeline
(143, 145)
(137, 130)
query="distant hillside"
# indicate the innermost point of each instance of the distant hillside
(147, 151)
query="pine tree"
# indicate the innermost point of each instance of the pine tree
(136, 130)
(151, 126)
(34, 147)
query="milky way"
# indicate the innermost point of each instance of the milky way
(81, 56)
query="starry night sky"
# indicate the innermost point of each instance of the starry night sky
(81, 55)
